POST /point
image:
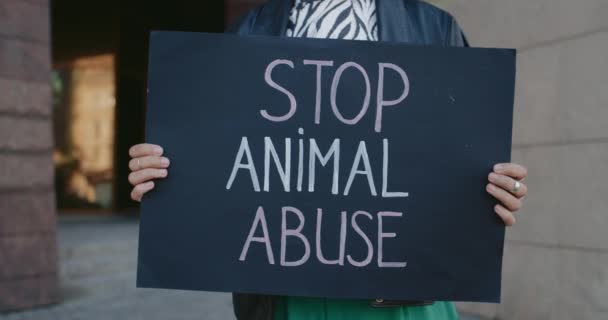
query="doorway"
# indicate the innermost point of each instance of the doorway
(99, 54)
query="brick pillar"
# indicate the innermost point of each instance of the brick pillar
(28, 254)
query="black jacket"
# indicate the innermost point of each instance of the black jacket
(410, 21)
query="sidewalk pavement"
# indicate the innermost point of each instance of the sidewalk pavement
(98, 259)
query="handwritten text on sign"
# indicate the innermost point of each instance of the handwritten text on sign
(361, 165)
(342, 169)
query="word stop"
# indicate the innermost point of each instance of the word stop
(381, 102)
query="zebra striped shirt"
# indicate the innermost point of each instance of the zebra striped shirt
(334, 19)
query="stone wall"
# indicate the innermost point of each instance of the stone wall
(28, 266)
(556, 258)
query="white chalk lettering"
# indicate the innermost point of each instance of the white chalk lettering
(382, 235)
(319, 64)
(342, 244)
(361, 165)
(292, 99)
(296, 238)
(361, 155)
(368, 242)
(284, 172)
(315, 153)
(334, 93)
(260, 218)
(244, 150)
(385, 192)
(297, 232)
(380, 102)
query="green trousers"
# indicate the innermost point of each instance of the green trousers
(297, 308)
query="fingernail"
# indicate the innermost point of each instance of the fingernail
(490, 187)
(492, 177)
(498, 167)
(164, 161)
(158, 150)
(163, 172)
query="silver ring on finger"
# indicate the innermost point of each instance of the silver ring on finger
(516, 187)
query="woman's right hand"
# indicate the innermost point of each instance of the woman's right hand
(147, 164)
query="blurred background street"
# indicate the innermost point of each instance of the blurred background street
(98, 262)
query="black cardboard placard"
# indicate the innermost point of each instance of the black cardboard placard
(330, 168)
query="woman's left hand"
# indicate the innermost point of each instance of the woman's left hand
(506, 186)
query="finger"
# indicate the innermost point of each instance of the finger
(148, 162)
(507, 216)
(506, 199)
(512, 170)
(144, 175)
(508, 183)
(145, 149)
(140, 189)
